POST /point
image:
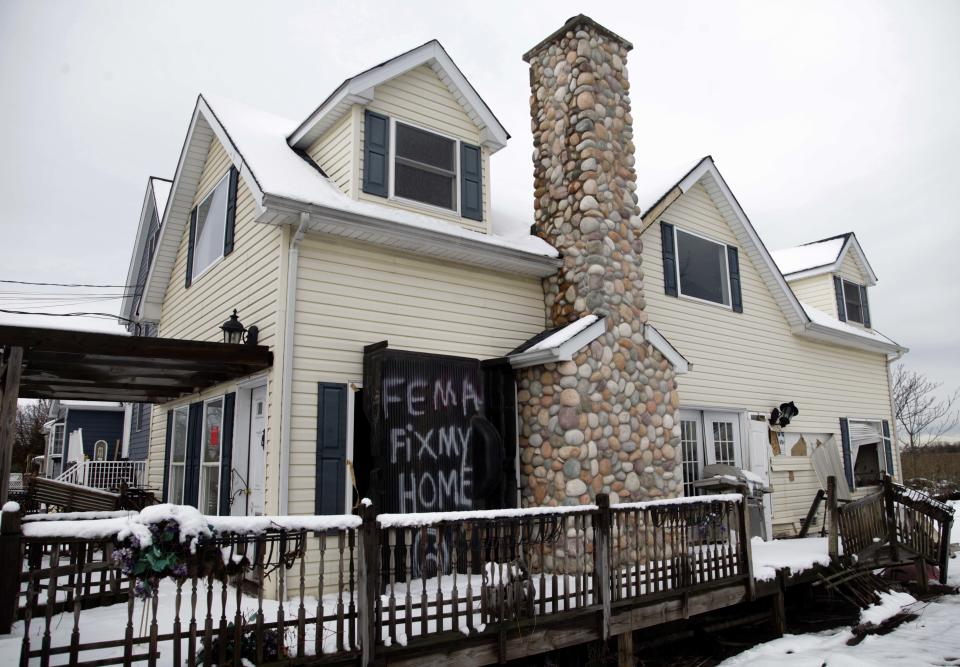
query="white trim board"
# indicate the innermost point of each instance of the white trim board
(360, 90)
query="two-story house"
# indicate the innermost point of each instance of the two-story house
(645, 346)
(760, 329)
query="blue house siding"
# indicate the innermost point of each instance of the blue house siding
(140, 438)
(97, 425)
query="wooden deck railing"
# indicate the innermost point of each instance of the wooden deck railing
(386, 585)
(895, 525)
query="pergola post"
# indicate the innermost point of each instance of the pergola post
(10, 388)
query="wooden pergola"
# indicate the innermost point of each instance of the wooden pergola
(81, 365)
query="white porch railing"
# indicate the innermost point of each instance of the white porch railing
(106, 474)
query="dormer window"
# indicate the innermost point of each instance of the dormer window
(424, 167)
(699, 268)
(412, 164)
(852, 305)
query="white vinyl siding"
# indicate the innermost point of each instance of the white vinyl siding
(751, 360)
(851, 269)
(817, 291)
(350, 295)
(249, 279)
(333, 152)
(421, 98)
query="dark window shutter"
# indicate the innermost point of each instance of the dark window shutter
(166, 457)
(331, 448)
(231, 213)
(888, 446)
(864, 306)
(191, 472)
(226, 454)
(471, 182)
(376, 154)
(190, 241)
(847, 458)
(733, 260)
(841, 304)
(669, 259)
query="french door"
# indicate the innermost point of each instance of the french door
(708, 437)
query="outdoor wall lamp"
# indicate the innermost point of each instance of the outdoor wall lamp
(235, 333)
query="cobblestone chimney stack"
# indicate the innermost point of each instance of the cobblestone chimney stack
(603, 422)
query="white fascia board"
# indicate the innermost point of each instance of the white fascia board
(666, 348)
(853, 244)
(564, 351)
(170, 233)
(825, 334)
(422, 241)
(138, 243)
(810, 273)
(748, 236)
(359, 90)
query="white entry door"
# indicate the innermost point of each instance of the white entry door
(722, 432)
(256, 454)
(691, 442)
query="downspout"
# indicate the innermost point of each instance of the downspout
(286, 393)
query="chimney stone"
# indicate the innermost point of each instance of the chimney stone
(603, 422)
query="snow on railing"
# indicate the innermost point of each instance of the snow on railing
(106, 474)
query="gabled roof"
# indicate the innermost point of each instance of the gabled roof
(359, 89)
(803, 320)
(561, 343)
(154, 199)
(284, 185)
(823, 256)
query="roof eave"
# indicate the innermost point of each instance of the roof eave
(827, 334)
(426, 242)
(360, 90)
(562, 352)
(138, 243)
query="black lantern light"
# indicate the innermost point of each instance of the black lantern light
(780, 417)
(235, 333)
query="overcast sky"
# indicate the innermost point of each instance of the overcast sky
(823, 118)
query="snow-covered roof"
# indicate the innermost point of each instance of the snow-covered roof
(821, 320)
(359, 89)
(559, 344)
(284, 185)
(654, 185)
(808, 256)
(823, 256)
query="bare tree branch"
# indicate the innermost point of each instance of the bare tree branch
(922, 416)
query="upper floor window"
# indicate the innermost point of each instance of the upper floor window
(401, 161)
(702, 268)
(854, 301)
(59, 431)
(211, 227)
(424, 167)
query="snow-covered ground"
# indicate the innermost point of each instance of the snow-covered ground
(930, 639)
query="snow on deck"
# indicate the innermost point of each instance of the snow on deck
(797, 554)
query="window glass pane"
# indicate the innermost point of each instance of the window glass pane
(690, 444)
(851, 297)
(176, 484)
(179, 437)
(212, 431)
(423, 186)
(211, 226)
(426, 147)
(723, 443)
(703, 268)
(58, 431)
(209, 481)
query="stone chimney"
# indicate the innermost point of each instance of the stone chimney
(603, 422)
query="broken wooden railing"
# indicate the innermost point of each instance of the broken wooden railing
(896, 525)
(372, 587)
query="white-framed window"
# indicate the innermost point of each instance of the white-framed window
(211, 227)
(703, 271)
(853, 302)
(210, 453)
(56, 445)
(178, 454)
(100, 450)
(424, 167)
